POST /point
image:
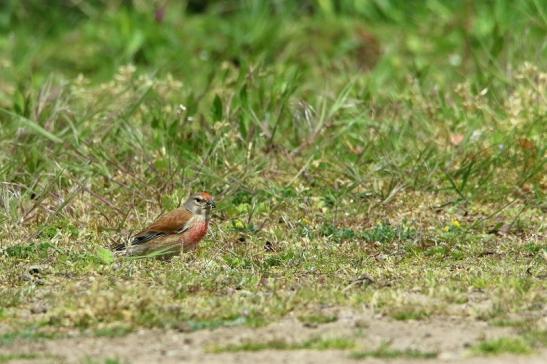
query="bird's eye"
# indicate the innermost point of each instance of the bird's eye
(199, 199)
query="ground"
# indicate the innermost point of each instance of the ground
(379, 172)
(287, 341)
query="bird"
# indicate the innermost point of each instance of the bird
(178, 230)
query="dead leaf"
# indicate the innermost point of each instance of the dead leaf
(527, 144)
(456, 139)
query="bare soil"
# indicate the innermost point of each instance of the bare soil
(450, 337)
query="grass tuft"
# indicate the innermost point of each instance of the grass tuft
(386, 352)
(310, 344)
(516, 345)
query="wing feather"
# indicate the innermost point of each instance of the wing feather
(171, 223)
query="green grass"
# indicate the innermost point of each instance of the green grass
(317, 319)
(112, 331)
(310, 344)
(31, 357)
(386, 352)
(25, 334)
(502, 345)
(527, 342)
(409, 313)
(6, 358)
(105, 361)
(404, 142)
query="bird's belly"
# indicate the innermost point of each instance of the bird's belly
(195, 233)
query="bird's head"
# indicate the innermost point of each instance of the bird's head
(200, 204)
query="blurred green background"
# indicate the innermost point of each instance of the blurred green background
(369, 81)
(433, 39)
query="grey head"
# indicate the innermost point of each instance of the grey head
(200, 204)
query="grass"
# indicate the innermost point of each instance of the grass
(30, 357)
(383, 352)
(317, 319)
(310, 344)
(6, 358)
(502, 345)
(410, 150)
(112, 331)
(105, 361)
(409, 314)
(526, 343)
(25, 334)
(386, 352)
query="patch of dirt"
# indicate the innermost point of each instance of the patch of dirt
(450, 337)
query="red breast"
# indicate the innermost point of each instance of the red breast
(195, 233)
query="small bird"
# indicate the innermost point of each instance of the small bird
(180, 229)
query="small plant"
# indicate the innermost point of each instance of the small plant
(317, 319)
(382, 233)
(409, 313)
(338, 234)
(515, 345)
(386, 233)
(63, 226)
(29, 333)
(8, 358)
(385, 351)
(113, 331)
(26, 251)
(311, 344)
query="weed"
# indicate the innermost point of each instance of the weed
(310, 344)
(409, 314)
(386, 352)
(26, 251)
(25, 334)
(7, 358)
(317, 319)
(113, 331)
(502, 345)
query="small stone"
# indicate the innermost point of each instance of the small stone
(39, 308)
(173, 309)
(361, 324)
(38, 269)
(26, 276)
(381, 257)
(35, 269)
(183, 327)
(445, 355)
(268, 246)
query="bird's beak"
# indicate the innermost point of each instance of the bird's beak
(212, 204)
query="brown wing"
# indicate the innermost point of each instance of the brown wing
(170, 223)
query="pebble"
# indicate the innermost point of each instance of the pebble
(39, 308)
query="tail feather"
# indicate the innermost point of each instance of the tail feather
(163, 247)
(123, 247)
